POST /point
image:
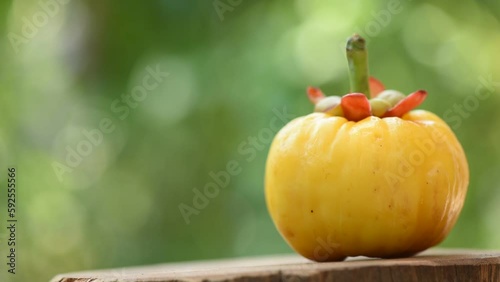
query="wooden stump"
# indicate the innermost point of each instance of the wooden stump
(433, 265)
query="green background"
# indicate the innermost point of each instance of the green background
(230, 64)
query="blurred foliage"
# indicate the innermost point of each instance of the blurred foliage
(229, 67)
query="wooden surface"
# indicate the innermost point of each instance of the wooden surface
(434, 265)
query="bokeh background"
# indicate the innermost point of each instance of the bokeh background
(231, 64)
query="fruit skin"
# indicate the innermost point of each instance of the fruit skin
(379, 187)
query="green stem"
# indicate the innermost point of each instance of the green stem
(357, 57)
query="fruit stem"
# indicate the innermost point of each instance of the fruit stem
(357, 58)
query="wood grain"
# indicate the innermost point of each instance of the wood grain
(433, 265)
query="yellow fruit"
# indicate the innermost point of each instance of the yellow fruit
(379, 187)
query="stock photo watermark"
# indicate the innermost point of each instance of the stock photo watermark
(11, 221)
(47, 9)
(454, 117)
(408, 165)
(325, 248)
(379, 20)
(121, 108)
(219, 180)
(223, 6)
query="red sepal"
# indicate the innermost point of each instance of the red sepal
(315, 94)
(355, 106)
(375, 86)
(407, 104)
